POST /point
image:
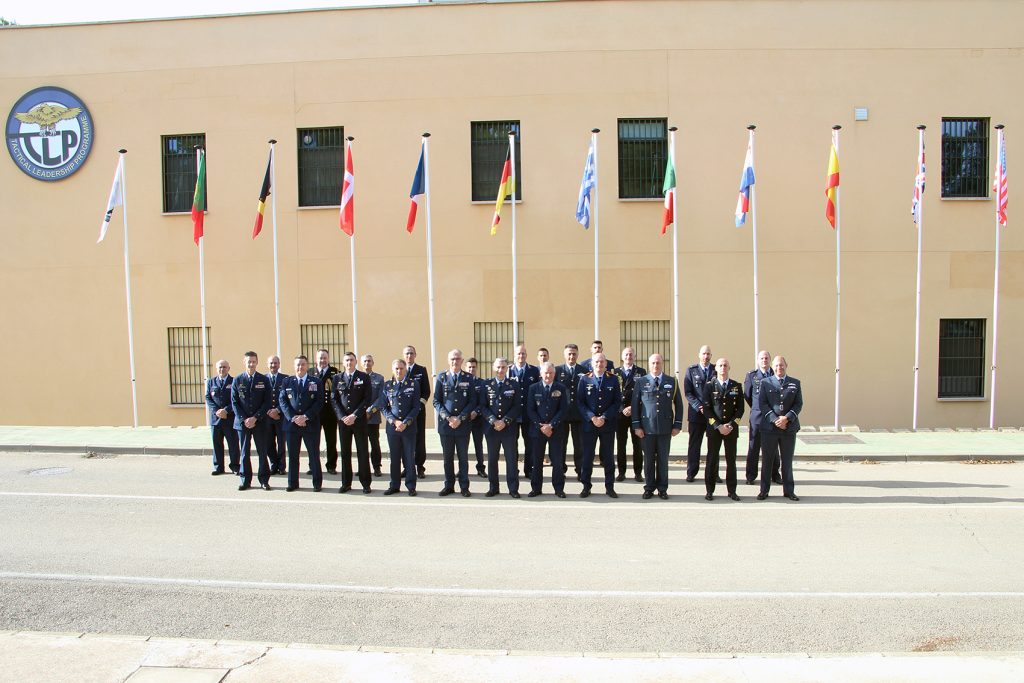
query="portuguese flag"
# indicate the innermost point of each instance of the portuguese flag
(199, 198)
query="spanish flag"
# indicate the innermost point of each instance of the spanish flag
(506, 188)
(262, 203)
(831, 184)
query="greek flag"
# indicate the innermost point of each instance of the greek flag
(586, 185)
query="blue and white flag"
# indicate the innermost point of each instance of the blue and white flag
(586, 185)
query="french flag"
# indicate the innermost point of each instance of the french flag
(746, 180)
(417, 191)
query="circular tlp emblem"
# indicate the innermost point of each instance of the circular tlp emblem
(49, 133)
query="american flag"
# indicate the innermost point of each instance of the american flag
(915, 208)
(1000, 185)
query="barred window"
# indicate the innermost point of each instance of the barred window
(491, 340)
(647, 337)
(321, 164)
(488, 146)
(643, 153)
(185, 362)
(964, 157)
(330, 336)
(178, 159)
(962, 358)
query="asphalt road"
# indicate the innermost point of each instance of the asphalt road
(891, 557)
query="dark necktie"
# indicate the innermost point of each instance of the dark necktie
(657, 383)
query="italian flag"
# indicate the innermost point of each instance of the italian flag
(199, 198)
(669, 189)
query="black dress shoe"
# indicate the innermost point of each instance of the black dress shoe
(366, 489)
(621, 477)
(265, 487)
(776, 480)
(793, 496)
(638, 478)
(611, 493)
(345, 489)
(421, 472)
(332, 471)
(391, 492)
(216, 473)
(316, 489)
(446, 491)
(533, 494)
(490, 494)
(585, 493)
(466, 494)
(309, 473)
(689, 479)
(377, 473)
(734, 496)
(292, 488)
(514, 495)
(708, 496)
(234, 470)
(647, 495)
(663, 495)
(243, 487)
(481, 471)
(560, 494)
(412, 492)
(762, 496)
(750, 482)
(718, 480)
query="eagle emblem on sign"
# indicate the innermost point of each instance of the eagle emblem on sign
(47, 115)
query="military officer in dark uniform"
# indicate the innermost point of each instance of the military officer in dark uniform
(751, 383)
(546, 406)
(373, 413)
(525, 376)
(351, 396)
(657, 417)
(628, 374)
(500, 412)
(723, 407)
(697, 375)
(222, 420)
(477, 422)
(301, 398)
(455, 399)
(568, 374)
(596, 347)
(599, 400)
(400, 405)
(781, 399)
(250, 399)
(419, 374)
(325, 372)
(276, 450)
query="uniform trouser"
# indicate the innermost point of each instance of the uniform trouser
(696, 428)
(715, 443)
(523, 429)
(246, 438)
(224, 431)
(656, 462)
(777, 444)
(402, 447)
(277, 452)
(754, 454)
(575, 430)
(373, 439)
(507, 440)
(623, 430)
(295, 438)
(556, 444)
(478, 439)
(358, 432)
(592, 440)
(421, 437)
(452, 444)
(329, 422)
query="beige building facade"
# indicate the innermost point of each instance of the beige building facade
(557, 69)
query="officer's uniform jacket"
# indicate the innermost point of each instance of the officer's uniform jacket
(563, 376)
(723, 404)
(454, 399)
(376, 387)
(751, 384)
(627, 382)
(525, 377)
(251, 397)
(326, 378)
(419, 374)
(400, 401)
(657, 411)
(275, 387)
(599, 398)
(218, 395)
(500, 404)
(547, 407)
(693, 386)
(353, 397)
(780, 398)
(295, 400)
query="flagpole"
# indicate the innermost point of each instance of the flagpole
(835, 143)
(128, 286)
(917, 302)
(995, 288)
(675, 256)
(430, 256)
(273, 217)
(352, 253)
(753, 232)
(515, 192)
(597, 333)
(202, 288)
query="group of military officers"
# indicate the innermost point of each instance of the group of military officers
(602, 408)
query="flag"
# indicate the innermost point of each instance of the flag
(746, 180)
(348, 188)
(199, 199)
(116, 199)
(264, 193)
(1000, 184)
(669, 190)
(417, 191)
(832, 182)
(915, 206)
(506, 188)
(586, 185)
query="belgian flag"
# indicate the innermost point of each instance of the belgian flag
(264, 193)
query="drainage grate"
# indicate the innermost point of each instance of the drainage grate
(48, 471)
(829, 439)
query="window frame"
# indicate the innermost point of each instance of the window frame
(493, 337)
(978, 179)
(184, 381)
(974, 361)
(320, 166)
(659, 340)
(487, 159)
(179, 199)
(631, 163)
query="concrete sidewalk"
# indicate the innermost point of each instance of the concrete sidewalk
(1006, 443)
(36, 657)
